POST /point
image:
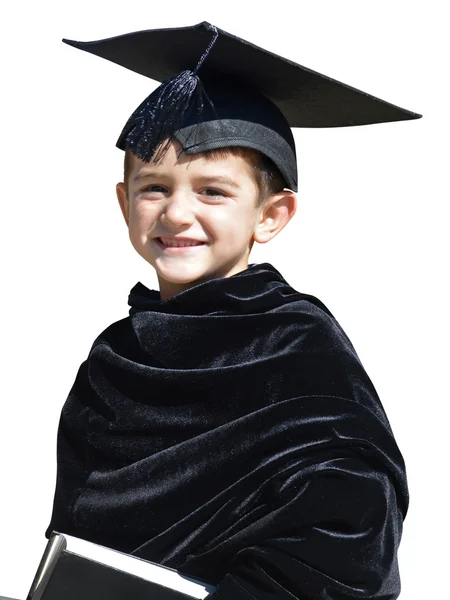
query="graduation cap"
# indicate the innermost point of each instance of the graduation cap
(219, 91)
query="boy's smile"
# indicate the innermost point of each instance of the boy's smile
(193, 218)
(178, 244)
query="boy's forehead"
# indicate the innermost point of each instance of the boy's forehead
(176, 158)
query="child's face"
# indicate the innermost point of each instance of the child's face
(211, 201)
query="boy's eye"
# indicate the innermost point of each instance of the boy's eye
(157, 189)
(213, 193)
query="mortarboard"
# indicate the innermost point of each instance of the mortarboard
(219, 91)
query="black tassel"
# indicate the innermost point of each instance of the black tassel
(149, 131)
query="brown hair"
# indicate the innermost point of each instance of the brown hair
(266, 175)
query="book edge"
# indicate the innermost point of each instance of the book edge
(161, 575)
(55, 545)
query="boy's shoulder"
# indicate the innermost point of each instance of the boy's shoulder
(118, 330)
(305, 309)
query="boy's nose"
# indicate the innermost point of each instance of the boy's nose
(178, 210)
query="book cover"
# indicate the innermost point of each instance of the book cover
(75, 569)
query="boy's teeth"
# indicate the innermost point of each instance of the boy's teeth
(173, 243)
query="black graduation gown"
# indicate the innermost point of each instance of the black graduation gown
(232, 433)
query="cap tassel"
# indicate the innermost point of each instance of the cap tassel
(149, 131)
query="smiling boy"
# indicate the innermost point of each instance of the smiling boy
(211, 201)
(227, 427)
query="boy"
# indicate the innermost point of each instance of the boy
(227, 428)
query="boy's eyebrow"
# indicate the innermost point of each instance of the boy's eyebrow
(144, 175)
(219, 179)
(205, 179)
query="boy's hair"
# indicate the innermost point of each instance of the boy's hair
(267, 176)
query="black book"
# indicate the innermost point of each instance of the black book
(75, 569)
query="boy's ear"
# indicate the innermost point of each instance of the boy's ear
(122, 197)
(275, 214)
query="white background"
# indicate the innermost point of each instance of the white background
(369, 237)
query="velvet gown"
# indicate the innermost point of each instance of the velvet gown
(232, 433)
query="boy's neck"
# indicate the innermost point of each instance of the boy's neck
(168, 289)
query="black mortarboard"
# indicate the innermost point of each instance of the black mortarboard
(243, 95)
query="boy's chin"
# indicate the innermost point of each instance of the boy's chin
(190, 276)
(183, 274)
